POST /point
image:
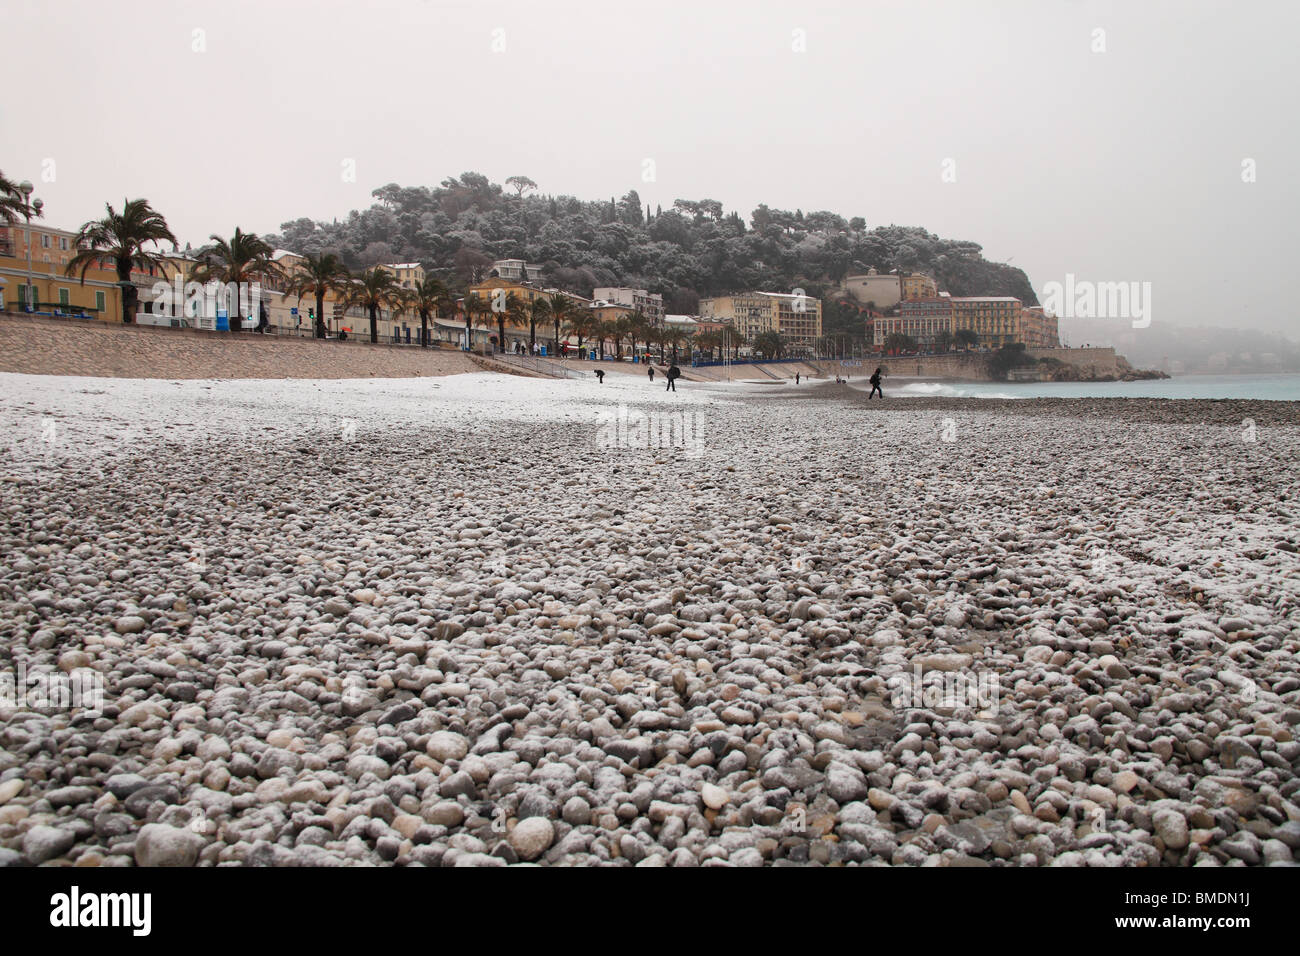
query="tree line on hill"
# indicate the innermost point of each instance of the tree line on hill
(455, 231)
(692, 250)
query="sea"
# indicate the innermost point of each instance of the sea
(1280, 387)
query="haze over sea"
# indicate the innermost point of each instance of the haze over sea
(1283, 387)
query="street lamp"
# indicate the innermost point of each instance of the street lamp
(25, 187)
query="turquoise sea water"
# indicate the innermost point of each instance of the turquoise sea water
(1275, 387)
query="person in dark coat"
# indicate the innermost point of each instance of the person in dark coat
(652, 373)
(674, 373)
(600, 376)
(875, 386)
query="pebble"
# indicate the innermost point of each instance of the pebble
(532, 837)
(669, 660)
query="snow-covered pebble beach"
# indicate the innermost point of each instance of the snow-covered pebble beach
(487, 620)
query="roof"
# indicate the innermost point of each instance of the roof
(401, 265)
(985, 298)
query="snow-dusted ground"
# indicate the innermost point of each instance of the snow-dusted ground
(482, 619)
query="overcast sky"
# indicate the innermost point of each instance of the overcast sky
(1122, 165)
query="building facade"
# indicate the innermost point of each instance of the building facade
(796, 318)
(924, 320)
(51, 290)
(517, 270)
(996, 319)
(650, 304)
(1039, 328)
(918, 286)
(409, 275)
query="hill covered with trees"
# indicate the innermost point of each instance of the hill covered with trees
(694, 249)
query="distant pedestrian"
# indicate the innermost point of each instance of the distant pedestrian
(796, 378)
(652, 373)
(875, 386)
(674, 373)
(600, 376)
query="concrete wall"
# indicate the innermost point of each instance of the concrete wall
(972, 366)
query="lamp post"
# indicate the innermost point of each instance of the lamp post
(25, 187)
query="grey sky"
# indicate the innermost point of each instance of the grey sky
(1120, 165)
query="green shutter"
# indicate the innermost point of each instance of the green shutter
(99, 301)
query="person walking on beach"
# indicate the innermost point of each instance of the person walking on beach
(796, 378)
(652, 373)
(875, 386)
(674, 373)
(600, 376)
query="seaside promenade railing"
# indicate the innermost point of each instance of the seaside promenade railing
(542, 366)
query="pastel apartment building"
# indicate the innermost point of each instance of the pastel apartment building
(996, 319)
(923, 320)
(650, 304)
(796, 318)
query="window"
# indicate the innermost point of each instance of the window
(99, 301)
(63, 297)
(45, 240)
(63, 243)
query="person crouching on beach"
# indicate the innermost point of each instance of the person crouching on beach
(600, 376)
(875, 386)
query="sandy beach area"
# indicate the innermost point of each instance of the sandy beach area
(483, 620)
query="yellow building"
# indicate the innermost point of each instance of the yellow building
(409, 274)
(1039, 328)
(924, 320)
(796, 318)
(996, 319)
(918, 286)
(51, 291)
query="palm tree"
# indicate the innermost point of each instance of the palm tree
(770, 344)
(122, 237)
(539, 312)
(623, 328)
(13, 203)
(738, 339)
(674, 337)
(426, 299)
(583, 325)
(245, 258)
(638, 329)
(562, 310)
(373, 290)
(473, 307)
(318, 275)
(515, 310)
(709, 341)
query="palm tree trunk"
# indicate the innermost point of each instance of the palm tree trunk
(532, 336)
(238, 324)
(557, 336)
(128, 294)
(469, 332)
(501, 333)
(424, 328)
(320, 315)
(374, 323)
